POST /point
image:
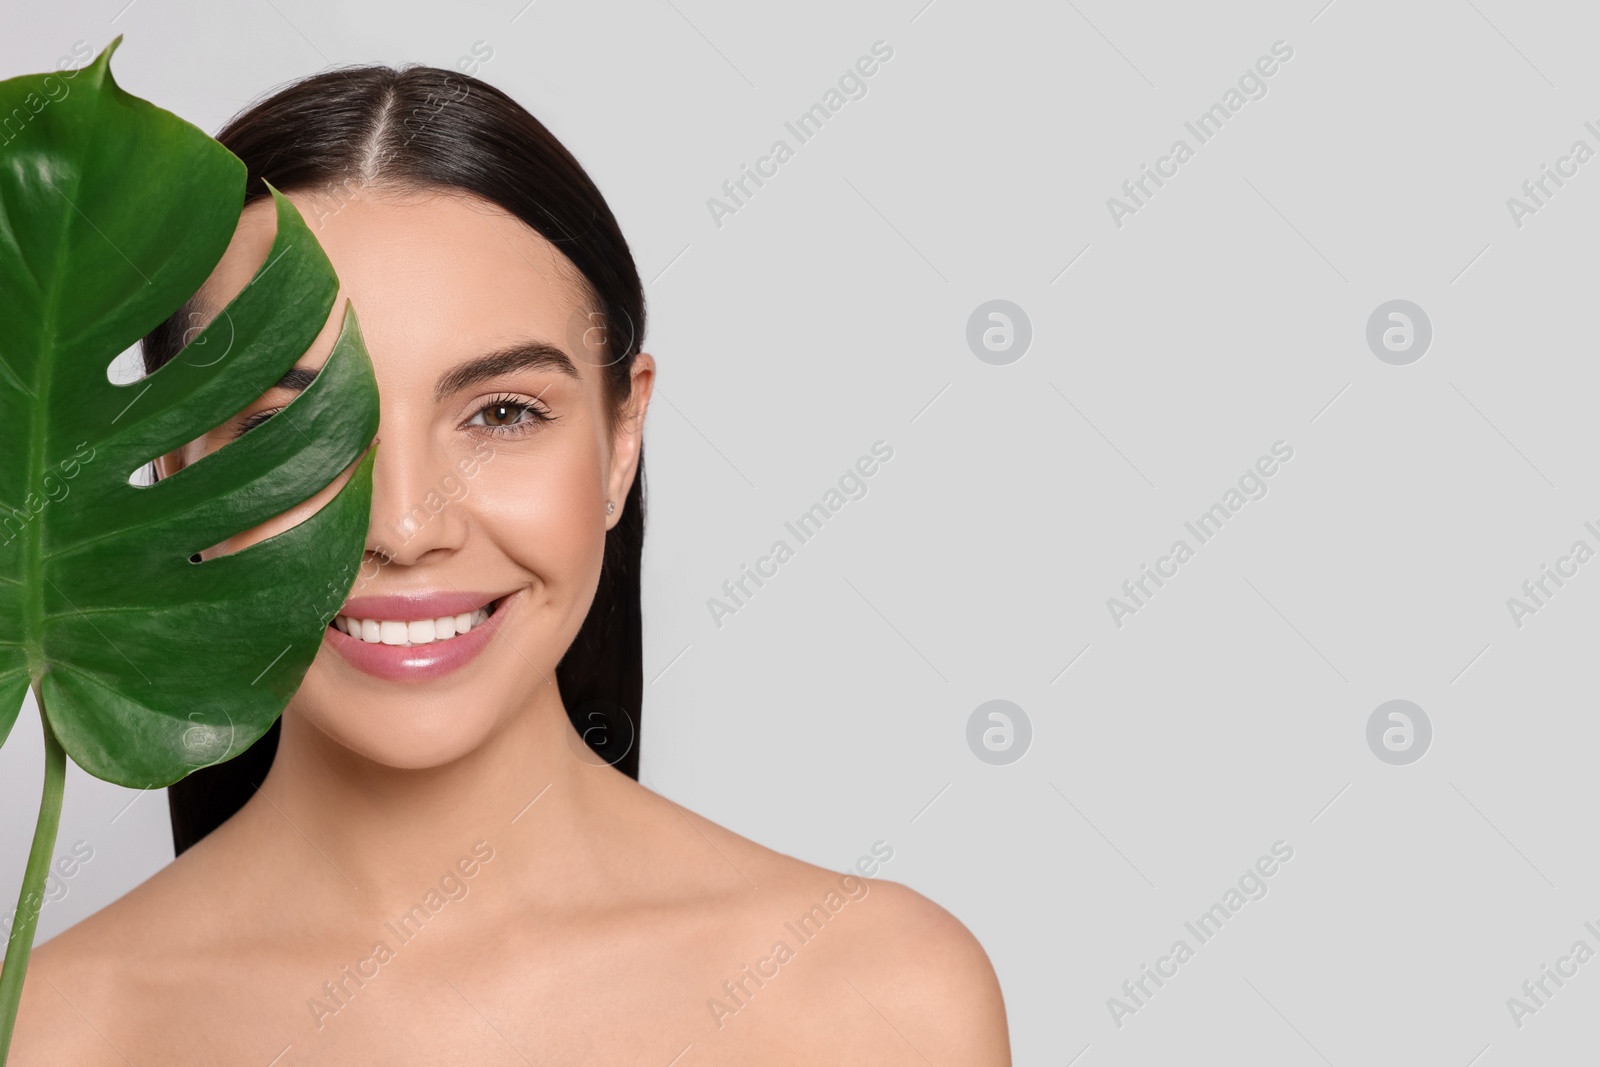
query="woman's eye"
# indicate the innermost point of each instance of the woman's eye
(508, 414)
(502, 414)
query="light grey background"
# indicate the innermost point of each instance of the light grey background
(1168, 354)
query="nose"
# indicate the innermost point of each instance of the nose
(415, 515)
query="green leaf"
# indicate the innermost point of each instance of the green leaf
(112, 214)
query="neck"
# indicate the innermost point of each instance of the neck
(377, 835)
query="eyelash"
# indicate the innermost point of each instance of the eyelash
(536, 415)
(255, 420)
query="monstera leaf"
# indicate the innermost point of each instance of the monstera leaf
(147, 666)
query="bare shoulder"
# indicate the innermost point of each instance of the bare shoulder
(881, 959)
(69, 997)
(93, 980)
(50, 1030)
(923, 971)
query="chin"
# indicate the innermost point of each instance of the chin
(418, 725)
(410, 735)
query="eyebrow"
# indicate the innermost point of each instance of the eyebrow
(527, 355)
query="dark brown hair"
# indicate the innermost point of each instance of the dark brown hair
(421, 128)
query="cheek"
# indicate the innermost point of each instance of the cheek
(545, 510)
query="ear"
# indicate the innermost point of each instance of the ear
(628, 439)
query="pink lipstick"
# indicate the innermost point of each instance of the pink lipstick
(416, 637)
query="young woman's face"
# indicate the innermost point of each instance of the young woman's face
(497, 453)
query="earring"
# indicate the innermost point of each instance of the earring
(611, 507)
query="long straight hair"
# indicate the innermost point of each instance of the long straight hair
(426, 128)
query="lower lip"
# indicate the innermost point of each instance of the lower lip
(418, 663)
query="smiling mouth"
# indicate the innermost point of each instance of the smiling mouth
(414, 632)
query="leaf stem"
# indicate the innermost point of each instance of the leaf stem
(31, 899)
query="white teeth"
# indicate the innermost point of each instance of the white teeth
(408, 634)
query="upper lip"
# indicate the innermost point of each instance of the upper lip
(411, 607)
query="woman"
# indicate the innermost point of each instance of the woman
(436, 866)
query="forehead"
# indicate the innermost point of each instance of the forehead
(433, 275)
